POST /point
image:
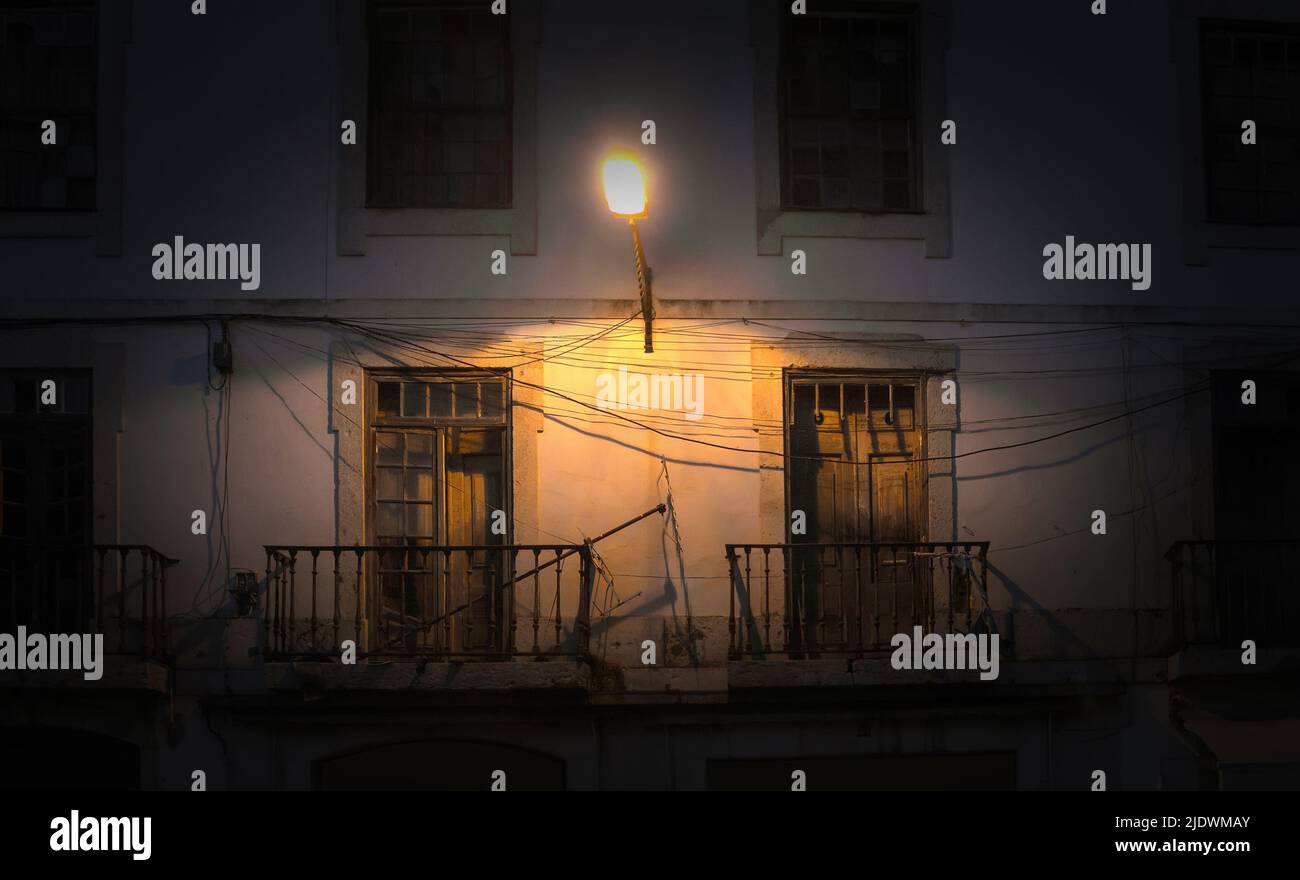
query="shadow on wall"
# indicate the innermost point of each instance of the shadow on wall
(1020, 600)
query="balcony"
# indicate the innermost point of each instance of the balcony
(810, 601)
(1227, 591)
(117, 590)
(428, 602)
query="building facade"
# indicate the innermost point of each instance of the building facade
(334, 397)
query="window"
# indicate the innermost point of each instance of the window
(48, 70)
(849, 109)
(1251, 70)
(45, 499)
(440, 106)
(1256, 525)
(437, 474)
(844, 97)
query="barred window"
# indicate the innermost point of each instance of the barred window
(849, 108)
(48, 70)
(440, 106)
(1251, 70)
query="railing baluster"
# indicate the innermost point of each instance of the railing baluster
(732, 586)
(336, 554)
(952, 596)
(469, 615)
(428, 596)
(292, 634)
(509, 598)
(893, 577)
(267, 614)
(145, 634)
(875, 596)
(359, 584)
(787, 578)
(448, 595)
(489, 599)
(559, 567)
(767, 599)
(748, 608)
(843, 608)
(537, 596)
(820, 624)
(403, 577)
(583, 617)
(377, 604)
(315, 569)
(121, 600)
(968, 568)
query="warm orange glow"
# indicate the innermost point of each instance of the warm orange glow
(625, 186)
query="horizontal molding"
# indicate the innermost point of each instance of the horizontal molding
(541, 309)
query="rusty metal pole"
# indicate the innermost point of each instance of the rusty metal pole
(643, 278)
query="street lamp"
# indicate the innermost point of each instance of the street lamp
(626, 194)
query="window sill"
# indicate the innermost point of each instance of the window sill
(449, 221)
(48, 224)
(1200, 237)
(775, 227)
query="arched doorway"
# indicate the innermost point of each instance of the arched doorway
(36, 757)
(440, 765)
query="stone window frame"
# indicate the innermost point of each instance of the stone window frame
(350, 426)
(1199, 234)
(104, 224)
(356, 222)
(933, 225)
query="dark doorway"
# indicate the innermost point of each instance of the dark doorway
(440, 765)
(60, 759)
(45, 500)
(1256, 521)
(991, 771)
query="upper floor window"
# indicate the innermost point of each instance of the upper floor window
(48, 70)
(440, 106)
(1251, 70)
(850, 108)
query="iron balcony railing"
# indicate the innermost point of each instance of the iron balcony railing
(117, 590)
(809, 600)
(1227, 591)
(465, 601)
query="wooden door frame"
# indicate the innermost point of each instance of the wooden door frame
(805, 376)
(371, 376)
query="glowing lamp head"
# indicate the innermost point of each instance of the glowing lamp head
(625, 189)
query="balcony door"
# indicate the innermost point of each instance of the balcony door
(856, 445)
(437, 477)
(45, 501)
(1256, 519)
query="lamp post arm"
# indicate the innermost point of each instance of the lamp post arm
(643, 277)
